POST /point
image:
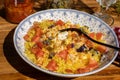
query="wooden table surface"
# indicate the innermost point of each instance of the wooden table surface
(12, 67)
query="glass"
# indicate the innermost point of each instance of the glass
(58, 3)
(105, 4)
(17, 10)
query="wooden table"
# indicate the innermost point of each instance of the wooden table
(12, 67)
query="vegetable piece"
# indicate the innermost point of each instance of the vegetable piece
(37, 35)
(39, 44)
(52, 65)
(38, 52)
(38, 32)
(35, 50)
(26, 37)
(83, 70)
(68, 70)
(46, 42)
(59, 22)
(35, 39)
(96, 36)
(70, 45)
(73, 26)
(92, 35)
(51, 55)
(101, 48)
(63, 54)
(89, 43)
(51, 26)
(81, 49)
(99, 36)
(92, 64)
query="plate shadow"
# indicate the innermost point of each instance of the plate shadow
(20, 65)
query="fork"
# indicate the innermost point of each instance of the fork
(79, 31)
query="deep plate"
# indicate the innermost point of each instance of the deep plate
(76, 17)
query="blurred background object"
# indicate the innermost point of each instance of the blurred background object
(116, 6)
(39, 5)
(105, 4)
(1, 4)
(59, 4)
(17, 10)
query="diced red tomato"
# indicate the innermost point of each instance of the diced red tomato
(74, 35)
(101, 48)
(38, 32)
(99, 35)
(39, 44)
(73, 26)
(92, 35)
(59, 22)
(63, 54)
(83, 70)
(35, 50)
(69, 46)
(35, 39)
(38, 52)
(89, 43)
(26, 37)
(92, 64)
(96, 36)
(52, 65)
(69, 71)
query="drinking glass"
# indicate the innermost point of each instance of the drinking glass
(105, 4)
(17, 10)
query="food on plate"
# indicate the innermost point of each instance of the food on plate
(63, 52)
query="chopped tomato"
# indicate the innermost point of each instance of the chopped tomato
(39, 44)
(63, 54)
(38, 32)
(92, 35)
(68, 70)
(35, 39)
(74, 35)
(101, 48)
(73, 26)
(60, 22)
(99, 35)
(83, 70)
(38, 52)
(52, 65)
(89, 43)
(92, 64)
(35, 50)
(96, 36)
(70, 46)
(26, 37)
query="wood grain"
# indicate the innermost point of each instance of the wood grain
(12, 67)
